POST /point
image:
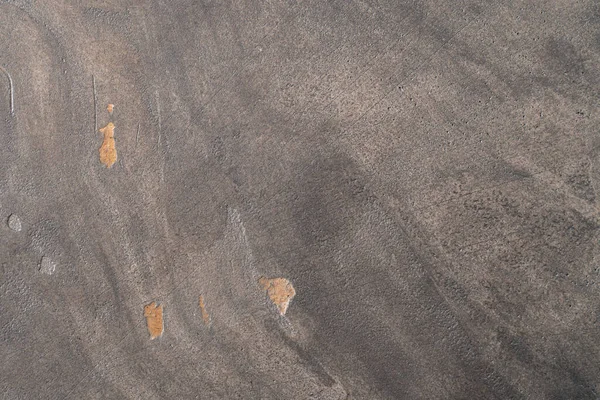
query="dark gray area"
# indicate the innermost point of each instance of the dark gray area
(425, 173)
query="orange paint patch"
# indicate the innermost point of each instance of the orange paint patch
(280, 291)
(110, 108)
(154, 319)
(205, 315)
(108, 152)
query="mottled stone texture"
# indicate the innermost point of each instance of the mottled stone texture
(425, 173)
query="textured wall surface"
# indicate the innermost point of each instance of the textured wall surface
(423, 175)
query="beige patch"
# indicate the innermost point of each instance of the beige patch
(205, 315)
(108, 152)
(154, 319)
(280, 291)
(110, 108)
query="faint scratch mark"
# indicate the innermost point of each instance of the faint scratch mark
(95, 103)
(10, 91)
(591, 174)
(159, 118)
(137, 136)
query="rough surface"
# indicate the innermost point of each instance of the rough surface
(280, 292)
(14, 223)
(154, 319)
(108, 151)
(425, 173)
(47, 266)
(203, 310)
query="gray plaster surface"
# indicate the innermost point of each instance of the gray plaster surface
(425, 173)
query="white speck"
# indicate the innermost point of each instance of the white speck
(14, 222)
(47, 266)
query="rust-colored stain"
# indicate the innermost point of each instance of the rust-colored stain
(205, 315)
(280, 291)
(110, 108)
(108, 152)
(154, 319)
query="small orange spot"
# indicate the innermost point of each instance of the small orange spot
(205, 316)
(154, 319)
(280, 291)
(110, 108)
(108, 152)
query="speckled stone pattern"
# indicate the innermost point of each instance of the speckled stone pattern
(292, 199)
